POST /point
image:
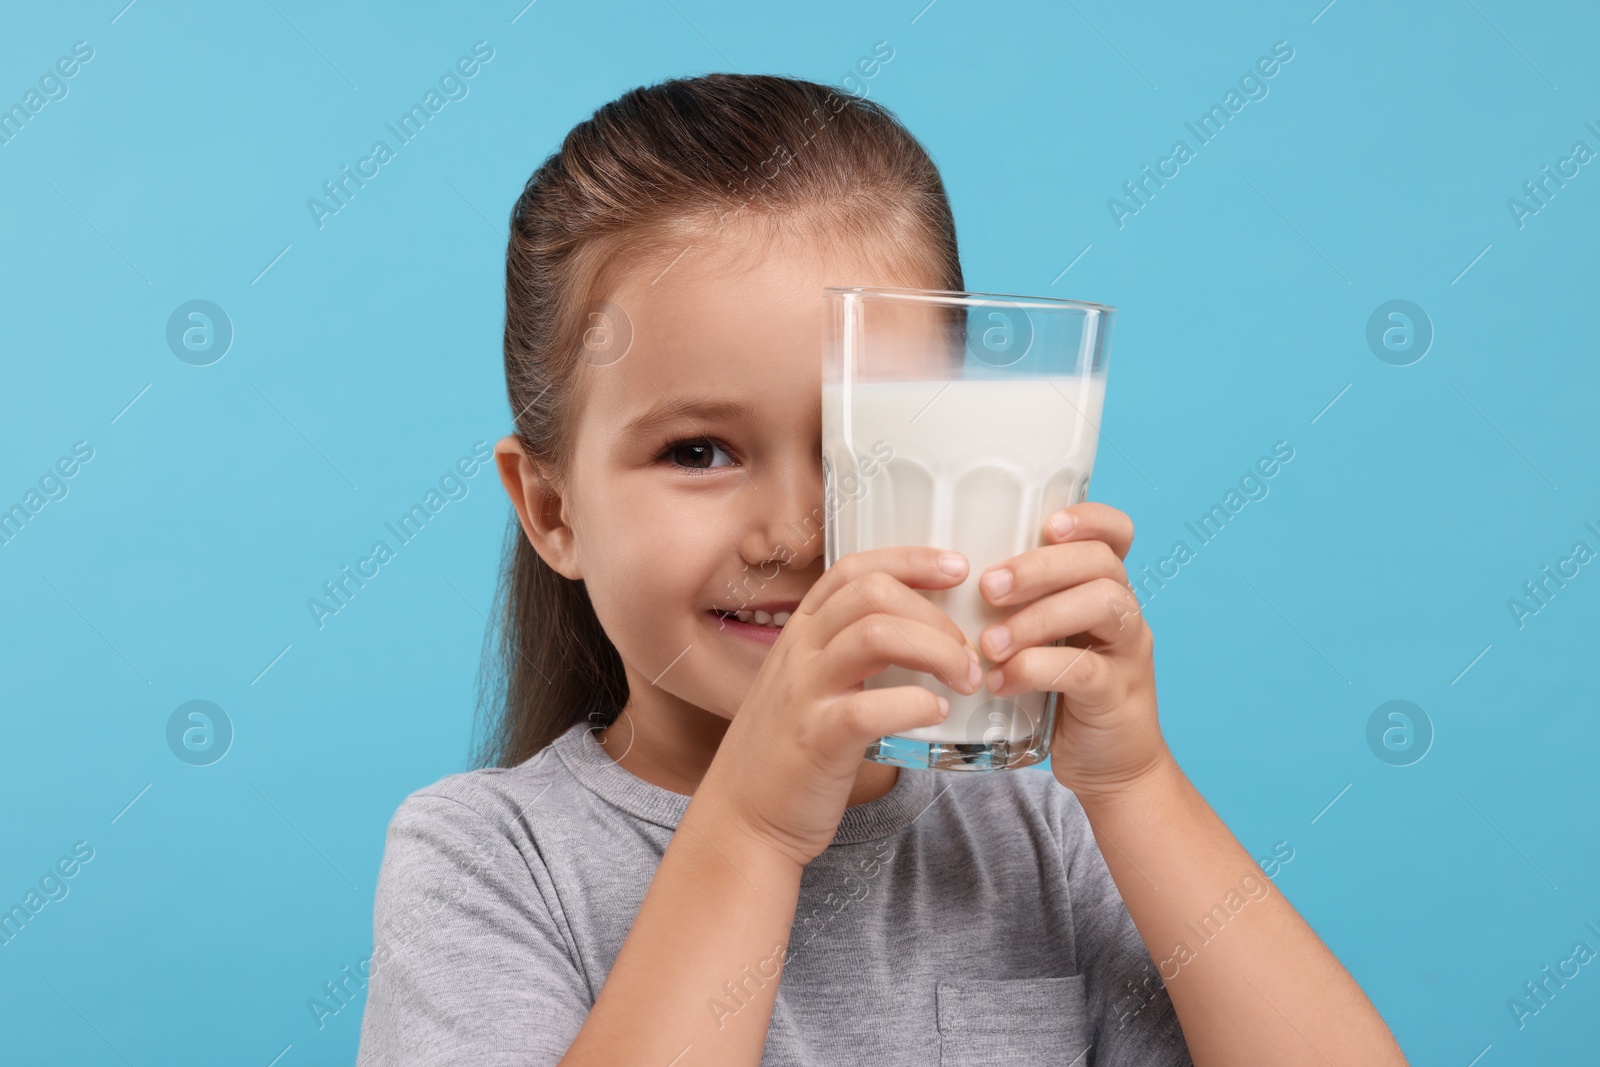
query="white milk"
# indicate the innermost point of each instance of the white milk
(972, 465)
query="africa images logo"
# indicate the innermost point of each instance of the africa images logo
(452, 86)
(1252, 86)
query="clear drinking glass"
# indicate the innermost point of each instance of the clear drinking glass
(960, 421)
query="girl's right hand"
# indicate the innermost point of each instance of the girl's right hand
(789, 759)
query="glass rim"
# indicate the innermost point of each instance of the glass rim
(965, 297)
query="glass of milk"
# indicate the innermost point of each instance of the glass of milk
(959, 421)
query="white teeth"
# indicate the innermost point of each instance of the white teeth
(761, 618)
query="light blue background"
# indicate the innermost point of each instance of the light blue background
(367, 360)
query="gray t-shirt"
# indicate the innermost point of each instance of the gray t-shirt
(960, 919)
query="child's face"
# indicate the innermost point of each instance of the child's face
(726, 349)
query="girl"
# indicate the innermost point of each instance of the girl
(676, 853)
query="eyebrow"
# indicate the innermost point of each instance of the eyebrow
(669, 410)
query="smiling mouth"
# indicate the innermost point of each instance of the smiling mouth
(755, 618)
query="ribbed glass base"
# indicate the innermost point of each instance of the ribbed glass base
(958, 756)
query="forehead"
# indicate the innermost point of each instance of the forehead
(737, 315)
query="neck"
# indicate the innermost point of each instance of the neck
(673, 749)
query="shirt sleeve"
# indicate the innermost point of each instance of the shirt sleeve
(469, 965)
(1134, 1021)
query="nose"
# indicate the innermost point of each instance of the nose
(785, 513)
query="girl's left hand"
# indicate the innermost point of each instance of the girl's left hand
(1075, 587)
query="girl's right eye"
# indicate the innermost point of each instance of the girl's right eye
(693, 454)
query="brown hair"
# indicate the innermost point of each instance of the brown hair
(652, 169)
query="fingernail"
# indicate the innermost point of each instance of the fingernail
(998, 582)
(974, 675)
(944, 706)
(999, 640)
(952, 562)
(994, 680)
(1061, 524)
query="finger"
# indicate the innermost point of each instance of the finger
(914, 565)
(1103, 609)
(1083, 675)
(874, 642)
(1090, 519)
(883, 593)
(1039, 571)
(873, 713)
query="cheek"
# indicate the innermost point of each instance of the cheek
(647, 568)
(650, 579)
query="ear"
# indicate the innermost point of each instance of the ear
(540, 508)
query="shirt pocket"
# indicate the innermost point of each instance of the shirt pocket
(1015, 1022)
